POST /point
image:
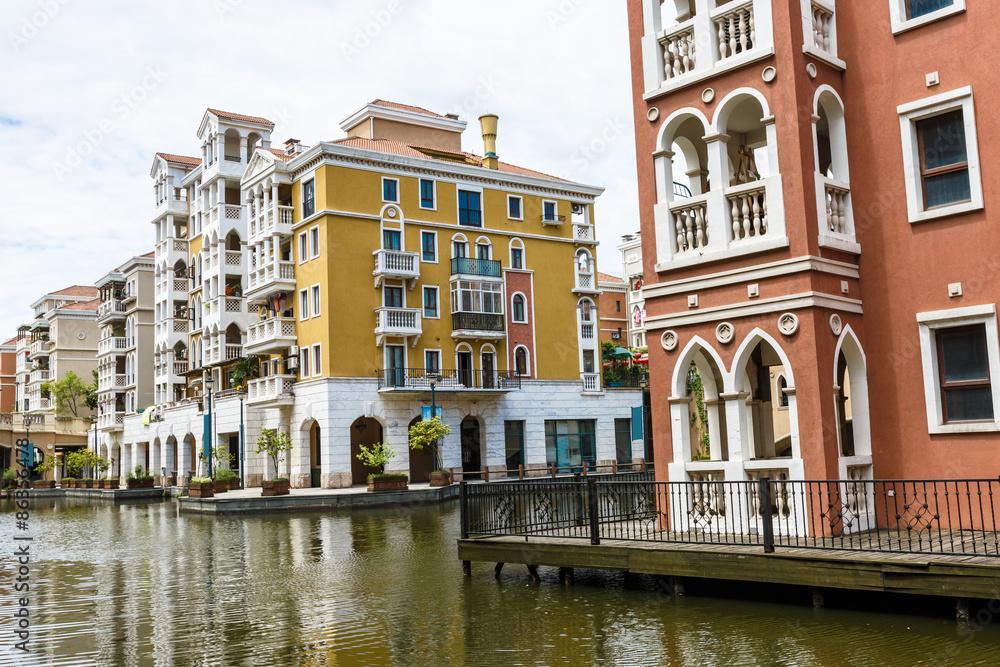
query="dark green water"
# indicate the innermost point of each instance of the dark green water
(142, 585)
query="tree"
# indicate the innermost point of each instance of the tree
(377, 456)
(70, 392)
(244, 369)
(274, 444)
(427, 433)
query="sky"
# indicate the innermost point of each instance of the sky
(91, 90)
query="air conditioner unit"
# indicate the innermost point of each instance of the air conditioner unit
(294, 351)
(577, 209)
(293, 363)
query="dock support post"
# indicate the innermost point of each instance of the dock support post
(819, 598)
(497, 570)
(467, 568)
(533, 571)
(595, 533)
(961, 610)
(764, 491)
(566, 575)
(678, 586)
(463, 510)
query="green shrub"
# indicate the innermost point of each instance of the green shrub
(201, 480)
(387, 476)
(10, 478)
(225, 475)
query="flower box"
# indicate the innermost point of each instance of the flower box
(109, 483)
(275, 487)
(146, 483)
(440, 478)
(44, 484)
(221, 485)
(201, 490)
(387, 484)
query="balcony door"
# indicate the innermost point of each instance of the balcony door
(488, 370)
(465, 368)
(395, 363)
(471, 448)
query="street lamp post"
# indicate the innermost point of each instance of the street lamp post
(242, 394)
(211, 426)
(432, 381)
(93, 419)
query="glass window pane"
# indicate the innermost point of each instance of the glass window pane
(969, 404)
(917, 8)
(943, 139)
(964, 353)
(947, 188)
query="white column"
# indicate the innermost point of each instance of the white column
(718, 169)
(663, 168)
(737, 427)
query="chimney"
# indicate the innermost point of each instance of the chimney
(293, 147)
(488, 122)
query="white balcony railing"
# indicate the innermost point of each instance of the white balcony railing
(591, 381)
(270, 389)
(583, 232)
(121, 380)
(836, 207)
(586, 283)
(747, 204)
(275, 220)
(110, 309)
(679, 51)
(109, 345)
(233, 352)
(690, 221)
(836, 219)
(39, 376)
(397, 265)
(397, 322)
(180, 367)
(822, 22)
(273, 275)
(736, 28)
(271, 334)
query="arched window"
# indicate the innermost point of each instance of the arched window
(583, 261)
(459, 246)
(782, 396)
(484, 249)
(521, 361)
(517, 309)
(516, 254)
(586, 310)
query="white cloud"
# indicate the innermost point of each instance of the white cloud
(555, 71)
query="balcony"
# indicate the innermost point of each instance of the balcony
(731, 34)
(591, 381)
(396, 265)
(228, 217)
(416, 379)
(39, 348)
(109, 311)
(172, 205)
(271, 221)
(111, 420)
(397, 322)
(269, 278)
(836, 218)
(271, 391)
(172, 250)
(583, 233)
(477, 325)
(111, 345)
(552, 220)
(39, 376)
(482, 268)
(270, 336)
(585, 283)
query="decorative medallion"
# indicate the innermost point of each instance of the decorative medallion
(707, 95)
(788, 323)
(653, 114)
(391, 213)
(81, 335)
(836, 326)
(725, 333)
(811, 70)
(669, 340)
(769, 74)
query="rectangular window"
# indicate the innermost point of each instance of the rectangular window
(428, 246)
(390, 239)
(516, 258)
(618, 306)
(917, 8)
(392, 297)
(623, 441)
(549, 210)
(315, 300)
(469, 296)
(944, 159)
(513, 432)
(304, 304)
(964, 374)
(588, 361)
(431, 302)
(482, 251)
(514, 207)
(317, 361)
(314, 243)
(390, 189)
(570, 443)
(304, 362)
(469, 209)
(308, 198)
(432, 361)
(303, 247)
(458, 249)
(426, 193)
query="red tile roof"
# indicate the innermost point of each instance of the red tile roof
(149, 254)
(401, 148)
(280, 154)
(238, 116)
(405, 107)
(608, 278)
(180, 159)
(83, 305)
(77, 290)
(12, 341)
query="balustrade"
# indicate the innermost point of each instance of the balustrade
(747, 205)
(736, 30)
(690, 221)
(591, 381)
(397, 321)
(836, 208)
(678, 52)
(583, 232)
(822, 18)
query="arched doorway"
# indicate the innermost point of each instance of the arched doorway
(315, 456)
(762, 365)
(364, 431)
(421, 460)
(472, 460)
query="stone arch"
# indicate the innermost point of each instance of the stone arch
(850, 364)
(472, 432)
(363, 431)
(311, 438)
(421, 460)
(690, 427)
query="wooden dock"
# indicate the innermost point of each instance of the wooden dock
(936, 574)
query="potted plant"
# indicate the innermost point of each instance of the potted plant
(42, 469)
(222, 462)
(10, 479)
(139, 479)
(75, 463)
(378, 456)
(274, 444)
(201, 487)
(111, 483)
(224, 480)
(441, 477)
(65, 482)
(428, 433)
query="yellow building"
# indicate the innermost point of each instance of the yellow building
(372, 267)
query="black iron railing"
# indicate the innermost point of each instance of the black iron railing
(477, 322)
(489, 268)
(957, 517)
(419, 378)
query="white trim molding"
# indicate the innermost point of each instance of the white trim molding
(759, 307)
(930, 322)
(909, 114)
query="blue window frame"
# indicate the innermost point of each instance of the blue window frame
(469, 209)
(550, 210)
(426, 193)
(518, 313)
(390, 189)
(514, 207)
(430, 302)
(390, 239)
(428, 249)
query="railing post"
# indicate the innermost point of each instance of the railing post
(464, 512)
(520, 471)
(614, 466)
(578, 499)
(553, 469)
(595, 535)
(764, 491)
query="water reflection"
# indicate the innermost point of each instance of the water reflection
(142, 585)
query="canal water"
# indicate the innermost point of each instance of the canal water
(140, 584)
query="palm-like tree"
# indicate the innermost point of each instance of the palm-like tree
(245, 368)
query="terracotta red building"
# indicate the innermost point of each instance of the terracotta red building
(612, 310)
(816, 236)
